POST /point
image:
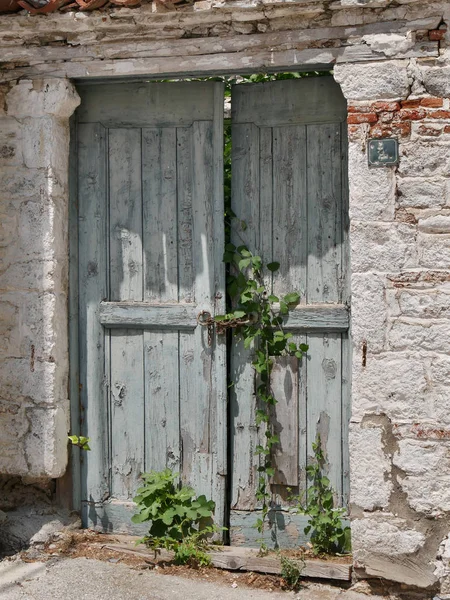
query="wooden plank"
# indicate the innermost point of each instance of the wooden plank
(235, 558)
(162, 415)
(148, 316)
(92, 187)
(74, 340)
(219, 413)
(284, 386)
(324, 411)
(145, 46)
(125, 215)
(318, 317)
(315, 100)
(127, 412)
(159, 155)
(346, 339)
(244, 436)
(126, 284)
(289, 213)
(324, 233)
(184, 214)
(245, 61)
(151, 106)
(202, 381)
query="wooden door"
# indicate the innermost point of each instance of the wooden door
(289, 185)
(150, 239)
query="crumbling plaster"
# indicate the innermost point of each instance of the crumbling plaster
(393, 64)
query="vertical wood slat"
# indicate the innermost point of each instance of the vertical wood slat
(290, 209)
(161, 373)
(195, 354)
(324, 402)
(126, 283)
(125, 237)
(284, 384)
(92, 190)
(323, 234)
(74, 341)
(246, 205)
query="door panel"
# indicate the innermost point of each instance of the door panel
(153, 386)
(288, 185)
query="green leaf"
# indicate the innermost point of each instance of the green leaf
(239, 314)
(273, 298)
(292, 298)
(284, 309)
(244, 263)
(273, 266)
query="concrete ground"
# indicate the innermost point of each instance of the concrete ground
(89, 579)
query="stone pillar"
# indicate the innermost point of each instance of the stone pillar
(400, 274)
(34, 201)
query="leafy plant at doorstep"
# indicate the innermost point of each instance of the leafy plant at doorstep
(328, 535)
(180, 521)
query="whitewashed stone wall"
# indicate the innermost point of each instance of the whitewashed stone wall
(400, 257)
(34, 147)
(393, 63)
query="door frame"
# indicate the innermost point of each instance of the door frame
(70, 486)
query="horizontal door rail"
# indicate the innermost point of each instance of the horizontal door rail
(141, 315)
(318, 317)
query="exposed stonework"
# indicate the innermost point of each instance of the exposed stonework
(34, 147)
(393, 63)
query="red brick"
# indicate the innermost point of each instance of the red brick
(354, 119)
(432, 102)
(436, 35)
(412, 114)
(429, 131)
(447, 129)
(385, 106)
(411, 103)
(359, 109)
(439, 114)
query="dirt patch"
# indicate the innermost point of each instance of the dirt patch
(90, 544)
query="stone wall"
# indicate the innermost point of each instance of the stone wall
(393, 64)
(400, 255)
(34, 147)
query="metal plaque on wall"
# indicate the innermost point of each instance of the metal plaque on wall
(382, 152)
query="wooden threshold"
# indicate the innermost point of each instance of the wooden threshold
(235, 558)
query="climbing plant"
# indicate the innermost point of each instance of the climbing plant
(257, 316)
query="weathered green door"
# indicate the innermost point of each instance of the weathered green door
(150, 239)
(153, 383)
(289, 161)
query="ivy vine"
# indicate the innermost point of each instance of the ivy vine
(257, 316)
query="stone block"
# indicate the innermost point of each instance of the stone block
(370, 81)
(369, 312)
(424, 159)
(426, 474)
(370, 483)
(32, 275)
(13, 427)
(46, 442)
(385, 534)
(395, 384)
(420, 192)
(434, 250)
(420, 334)
(428, 303)
(10, 143)
(437, 223)
(382, 247)
(32, 379)
(436, 79)
(372, 191)
(43, 230)
(42, 97)
(46, 143)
